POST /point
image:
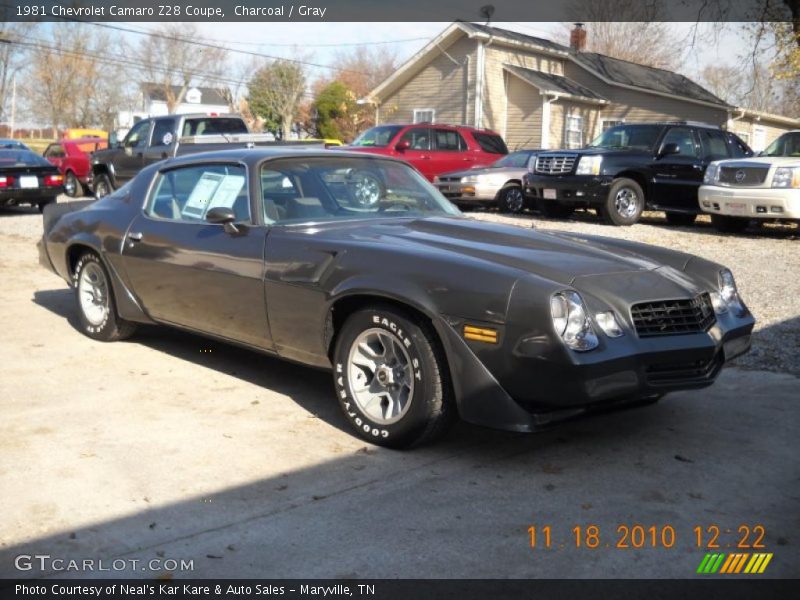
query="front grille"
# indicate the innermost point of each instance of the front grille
(555, 164)
(449, 179)
(697, 370)
(673, 317)
(743, 175)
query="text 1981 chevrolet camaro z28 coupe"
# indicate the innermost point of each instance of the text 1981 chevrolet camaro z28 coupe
(356, 262)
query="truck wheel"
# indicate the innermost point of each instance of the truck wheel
(681, 219)
(102, 186)
(392, 379)
(624, 204)
(554, 210)
(72, 187)
(511, 199)
(727, 224)
(97, 310)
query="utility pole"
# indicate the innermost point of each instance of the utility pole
(13, 104)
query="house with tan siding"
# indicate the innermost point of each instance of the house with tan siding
(540, 94)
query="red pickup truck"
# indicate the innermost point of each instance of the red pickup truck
(433, 148)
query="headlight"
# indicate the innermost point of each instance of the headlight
(532, 163)
(571, 322)
(786, 177)
(728, 297)
(712, 173)
(471, 179)
(589, 165)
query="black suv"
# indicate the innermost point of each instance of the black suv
(630, 168)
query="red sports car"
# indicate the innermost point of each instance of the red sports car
(72, 159)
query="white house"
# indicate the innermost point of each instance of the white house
(152, 103)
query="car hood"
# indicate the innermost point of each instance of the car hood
(507, 172)
(557, 257)
(762, 161)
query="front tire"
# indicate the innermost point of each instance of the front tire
(624, 204)
(511, 199)
(726, 224)
(72, 187)
(94, 296)
(391, 378)
(102, 186)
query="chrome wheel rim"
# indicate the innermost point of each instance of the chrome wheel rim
(626, 202)
(70, 186)
(380, 376)
(366, 190)
(514, 199)
(93, 294)
(101, 189)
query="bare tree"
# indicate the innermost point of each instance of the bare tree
(173, 64)
(644, 38)
(12, 57)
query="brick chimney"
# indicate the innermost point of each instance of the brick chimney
(577, 38)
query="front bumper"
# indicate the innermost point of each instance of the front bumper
(750, 203)
(574, 190)
(527, 381)
(455, 191)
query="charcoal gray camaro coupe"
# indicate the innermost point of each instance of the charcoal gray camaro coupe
(357, 263)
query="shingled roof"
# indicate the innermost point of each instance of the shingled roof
(613, 70)
(554, 83)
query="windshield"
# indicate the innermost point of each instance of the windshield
(301, 190)
(26, 158)
(377, 136)
(628, 137)
(514, 160)
(786, 145)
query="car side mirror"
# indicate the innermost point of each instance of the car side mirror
(669, 149)
(221, 215)
(402, 145)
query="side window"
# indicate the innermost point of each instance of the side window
(186, 194)
(491, 143)
(162, 133)
(714, 145)
(738, 146)
(419, 138)
(683, 137)
(137, 136)
(55, 151)
(447, 139)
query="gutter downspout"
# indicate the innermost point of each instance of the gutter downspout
(480, 67)
(732, 119)
(546, 118)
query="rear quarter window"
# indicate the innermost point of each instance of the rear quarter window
(491, 143)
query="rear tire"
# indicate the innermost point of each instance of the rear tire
(391, 378)
(624, 204)
(511, 199)
(102, 186)
(681, 219)
(727, 224)
(554, 210)
(97, 310)
(72, 187)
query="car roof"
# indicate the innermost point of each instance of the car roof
(252, 156)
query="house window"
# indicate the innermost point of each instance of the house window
(609, 123)
(424, 115)
(574, 131)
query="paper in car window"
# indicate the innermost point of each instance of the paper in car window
(213, 190)
(201, 195)
(227, 191)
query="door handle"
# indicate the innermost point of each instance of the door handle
(135, 236)
(425, 157)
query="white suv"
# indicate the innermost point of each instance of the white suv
(764, 187)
